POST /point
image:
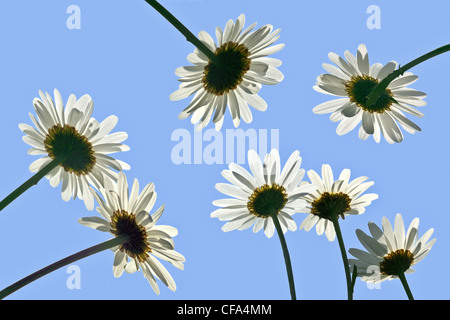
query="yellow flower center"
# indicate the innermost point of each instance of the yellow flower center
(331, 204)
(267, 199)
(396, 262)
(359, 87)
(228, 72)
(124, 223)
(76, 150)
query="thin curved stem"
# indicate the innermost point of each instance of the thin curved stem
(184, 31)
(287, 258)
(29, 183)
(402, 277)
(63, 262)
(381, 87)
(344, 256)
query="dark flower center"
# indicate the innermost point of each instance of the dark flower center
(359, 87)
(124, 223)
(228, 72)
(74, 148)
(267, 199)
(331, 204)
(396, 262)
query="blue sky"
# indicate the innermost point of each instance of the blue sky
(124, 56)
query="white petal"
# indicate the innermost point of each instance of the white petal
(236, 222)
(207, 40)
(232, 191)
(368, 122)
(399, 230)
(371, 244)
(403, 81)
(390, 127)
(161, 272)
(327, 176)
(269, 228)
(149, 276)
(256, 167)
(330, 106)
(348, 124)
(389, 233)
(119, 263)
(95, 223)
(363, 59)
(335, 71)
(38, 164)
(182, 93)
(386, 70)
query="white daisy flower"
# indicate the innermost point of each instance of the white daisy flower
(244, 67)
(341, 197)
(71, 132)
(127, 213)
(390, 251)
(260, 192)
(354, 79)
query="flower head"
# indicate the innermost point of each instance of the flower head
(81, 141)
(127, 213)
(339, 197)
(354, 79)
(266, 190)
(390, 251)
(235, 79)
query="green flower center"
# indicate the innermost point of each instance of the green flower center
(331, 204)
(396, 262)
(267, 199)
(124, 223)
(74, 148)
(228, 72)
(359, 87)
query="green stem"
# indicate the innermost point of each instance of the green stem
(354, 277)
(287, 259)
(184, 31)
(381, 87)
(29, 183)
(61, 263)
(402, 277)
(334, 219)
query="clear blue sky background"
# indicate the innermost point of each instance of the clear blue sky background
(125, 55)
